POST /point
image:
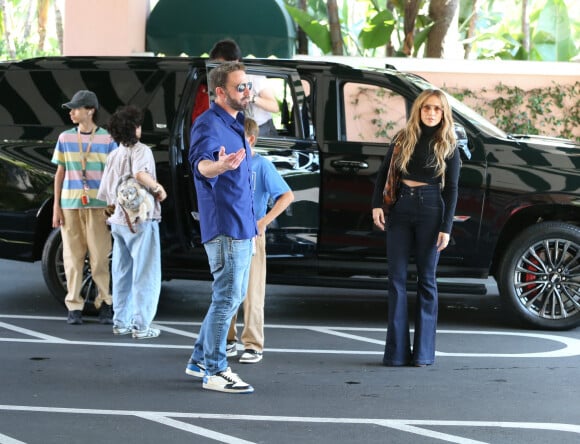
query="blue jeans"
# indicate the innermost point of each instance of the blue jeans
(229, 263)
(413, 226)
(136, 272)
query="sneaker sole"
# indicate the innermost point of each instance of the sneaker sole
(244, 391)
(197, 374)
(253, 359)
(150, 336)
(250, 361)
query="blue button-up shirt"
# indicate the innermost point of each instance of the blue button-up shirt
(224, 202)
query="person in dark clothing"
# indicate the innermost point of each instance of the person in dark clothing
(419, 223)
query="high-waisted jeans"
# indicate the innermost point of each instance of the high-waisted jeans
(413, 225)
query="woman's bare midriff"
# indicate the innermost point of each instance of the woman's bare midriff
(412, 183)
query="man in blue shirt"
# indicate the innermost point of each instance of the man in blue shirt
(220, 159)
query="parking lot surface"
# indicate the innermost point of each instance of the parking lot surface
(321, 380)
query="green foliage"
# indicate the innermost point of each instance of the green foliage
(552, 38)
(552, 34)
(377, 31)
(25, 43)
(498, 35)
(317, 31)
(553, 110)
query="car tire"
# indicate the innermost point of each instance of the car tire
(54, 275)
(539, 276)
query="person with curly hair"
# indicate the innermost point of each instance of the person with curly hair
(136, 265)
(425, 158)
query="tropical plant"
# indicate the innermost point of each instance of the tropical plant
(545, 33)
(24, 27)
(541, 29)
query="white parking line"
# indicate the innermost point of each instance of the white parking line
(406, 425)
(28, 332)
(8, 440)
(570, 347)
(212, 434)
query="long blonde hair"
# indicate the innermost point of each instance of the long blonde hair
(444, 138)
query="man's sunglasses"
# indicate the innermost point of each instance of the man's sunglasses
(242, 87)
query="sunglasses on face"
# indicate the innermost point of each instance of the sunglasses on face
(242, 87)
(429, 108)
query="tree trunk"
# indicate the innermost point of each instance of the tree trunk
(389, 48)
(444, 15)
(411, 11)
(59, 28)
(334, 24)
(526, 28)
(302, 38)
(7, 27)
(43, 6)
(471, 28)
(27, 23)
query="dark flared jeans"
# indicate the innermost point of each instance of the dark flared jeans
(413, 225)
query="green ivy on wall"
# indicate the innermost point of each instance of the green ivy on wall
(550, 111)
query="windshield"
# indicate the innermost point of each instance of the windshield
(460, 108)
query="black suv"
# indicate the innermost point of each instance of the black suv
(519, 201)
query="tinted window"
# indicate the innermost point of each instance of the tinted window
(372, 113)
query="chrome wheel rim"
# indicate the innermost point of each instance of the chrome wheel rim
(547, 279)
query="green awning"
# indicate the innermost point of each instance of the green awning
(260, 27)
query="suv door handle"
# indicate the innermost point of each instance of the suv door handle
(349, 165)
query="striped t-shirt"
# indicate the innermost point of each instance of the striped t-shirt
(67, 154)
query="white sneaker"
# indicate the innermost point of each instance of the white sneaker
(122, 330)
(250, 356)
(231, 349)
(146, 334)
(227, 382)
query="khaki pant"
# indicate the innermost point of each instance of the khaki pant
(85, 230)
(253, 332)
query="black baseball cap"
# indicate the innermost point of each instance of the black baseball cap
(83, 99)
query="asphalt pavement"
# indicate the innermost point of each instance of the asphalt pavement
(321, 379)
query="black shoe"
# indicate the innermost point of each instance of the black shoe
(106, 314)
(75, 317)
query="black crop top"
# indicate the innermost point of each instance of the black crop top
(449, 192)
(421, 167)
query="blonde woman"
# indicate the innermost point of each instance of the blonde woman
(419, 223)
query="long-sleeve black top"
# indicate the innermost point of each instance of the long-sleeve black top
(419, 171)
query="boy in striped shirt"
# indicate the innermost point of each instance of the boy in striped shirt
(80, 155)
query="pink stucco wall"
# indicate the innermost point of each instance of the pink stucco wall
(105, 27)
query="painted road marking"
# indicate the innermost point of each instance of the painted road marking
(412, 426)
(569, 347)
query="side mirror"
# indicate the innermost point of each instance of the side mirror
(462, 140)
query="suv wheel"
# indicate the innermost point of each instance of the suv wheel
(539, 276)
(54, 275)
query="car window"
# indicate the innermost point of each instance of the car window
(371, 113)
(164, 99)
(289, 109)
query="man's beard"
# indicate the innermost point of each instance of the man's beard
(238, 105)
